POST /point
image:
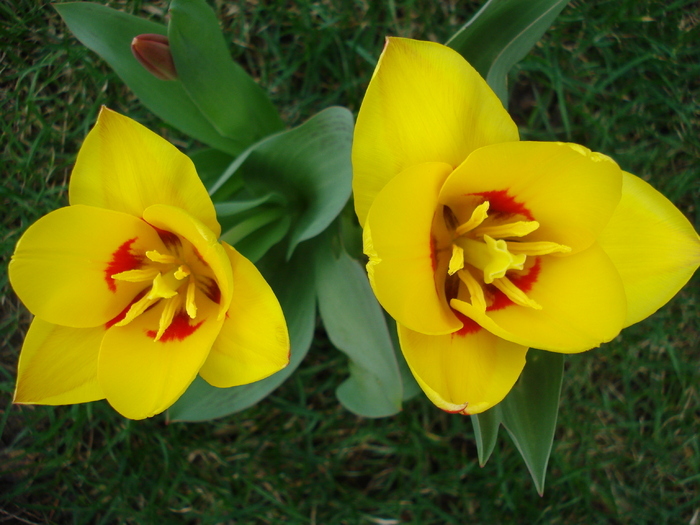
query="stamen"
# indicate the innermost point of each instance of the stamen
(457, 260)
(155, 256)
(476, 292)
(536, 248)
(492, 257)
(138, 308)
(168, 314)
(137, 276)
(478, 216)
(512, 229)
(190, 305)
(514, 293)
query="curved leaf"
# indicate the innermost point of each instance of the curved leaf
(500, 34)
(226, 95)
(309, 165)
(109, 34)
(355, 325)
(529, 412)
(486, 427)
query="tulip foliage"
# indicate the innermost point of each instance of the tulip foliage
(492, 256)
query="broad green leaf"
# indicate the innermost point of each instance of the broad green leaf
(309, 165)
(529, 412)
(109, 34)
(256, 245)
(293, 284)
(486, 427)
(354, 322)
(210, 164)
(500, 34)
(226, 95)
(235, 207)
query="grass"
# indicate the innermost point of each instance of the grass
(621, 77)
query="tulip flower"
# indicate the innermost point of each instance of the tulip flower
(132, 292)
(482, 246)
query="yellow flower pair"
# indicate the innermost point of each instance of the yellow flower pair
(481, 246)
(132, 292)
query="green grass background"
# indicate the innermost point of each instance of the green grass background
(620, 76)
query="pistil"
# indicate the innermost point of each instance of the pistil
(491, 256)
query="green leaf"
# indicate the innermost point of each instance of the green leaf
(234, 207)
(309, 165)
(257, 244)
(486, 427)
(210, 164)
(293, 283)
(226, 95)
(500, 34)
(354, 322)
(411, 388)
(529, 412)
(109, 34)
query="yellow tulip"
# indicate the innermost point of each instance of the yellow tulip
(482, 246)
(132, 292)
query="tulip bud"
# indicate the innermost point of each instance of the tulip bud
(153, 52)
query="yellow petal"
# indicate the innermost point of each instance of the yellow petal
(58, 365)
(466, 373)
(653, 246)
(253, 343)
(125, 167)
(178, 221)
(62, 266)
(582, 299)
(399, 239)
(141, 377)
(425, 103)
(570, 191)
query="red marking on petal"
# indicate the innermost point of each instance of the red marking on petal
(469, 325)
(123, 260)
(433, 253)
(170, 239)
(524, 282)
(501, 202)
(199, 256)
(458, 411)
(212, 291)
(179, 330)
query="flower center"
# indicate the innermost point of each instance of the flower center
(177, 278)
(486, 250)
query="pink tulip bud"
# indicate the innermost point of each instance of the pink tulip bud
(153, 52)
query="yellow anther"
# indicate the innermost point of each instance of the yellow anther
(514, 293)
(478, 216)
(167, 315)
(190, 305)
(137, 276)
(137, 309)
(537, 248)
(476, 292)
(457, 260)
(512, 229)
(156, 256)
